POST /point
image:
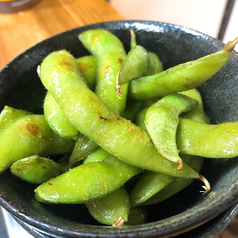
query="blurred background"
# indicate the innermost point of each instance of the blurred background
(217, 18)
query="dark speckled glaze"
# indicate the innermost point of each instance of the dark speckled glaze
(20, 87)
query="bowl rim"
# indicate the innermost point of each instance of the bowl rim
(157, 226)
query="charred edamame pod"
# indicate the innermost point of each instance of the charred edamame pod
(88, 66)
(9, 114)
(96, 121)
(30, 135)
(53, 113)
(109, 53)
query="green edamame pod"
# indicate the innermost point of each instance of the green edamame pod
(113, 209)
(155, 66)
(109, 53)
(53, 113)
(36, 169)
(161, 121)
(86, 182)
(83, 147)
(30, 135)
(97, 156)
(210, 141)
(147, 186)
(9, 114)
(150, 183)
(88, 66)
(137, 216)
(176, 185)
(139, 120)
(181, 77)
(134, 66)
(57, 119)
(131, 110)
(197, 113)
(95, 120)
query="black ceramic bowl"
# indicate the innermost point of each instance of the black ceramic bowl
(21, 88)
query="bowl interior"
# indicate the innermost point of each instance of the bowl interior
(21, 88)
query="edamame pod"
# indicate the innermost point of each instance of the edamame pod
(56, 118)
(155, 66)
(86, 182)
(30, 135)
(132, 109)
(97, 156)
(134, 66)
(9, 114)
(181, 77)
(150, 183)
(113, 209)
(83, 147)
(53, 113)
(95, 120)
(137, 216)
(36, 169)
(210, 141)
(88, 66)
(197, 113)
(161, 121)
(176, 185)
(109, 53)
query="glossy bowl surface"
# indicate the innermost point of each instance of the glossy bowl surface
(21, 88)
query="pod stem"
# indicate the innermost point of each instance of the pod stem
(180, 164)
(118, 222)
(118, 87)
(206, 186)
(230, 45)
(118, 92)
(133, 38)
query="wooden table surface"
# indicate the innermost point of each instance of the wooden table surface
(21, 30)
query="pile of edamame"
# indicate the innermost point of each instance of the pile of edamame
(116, 117)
